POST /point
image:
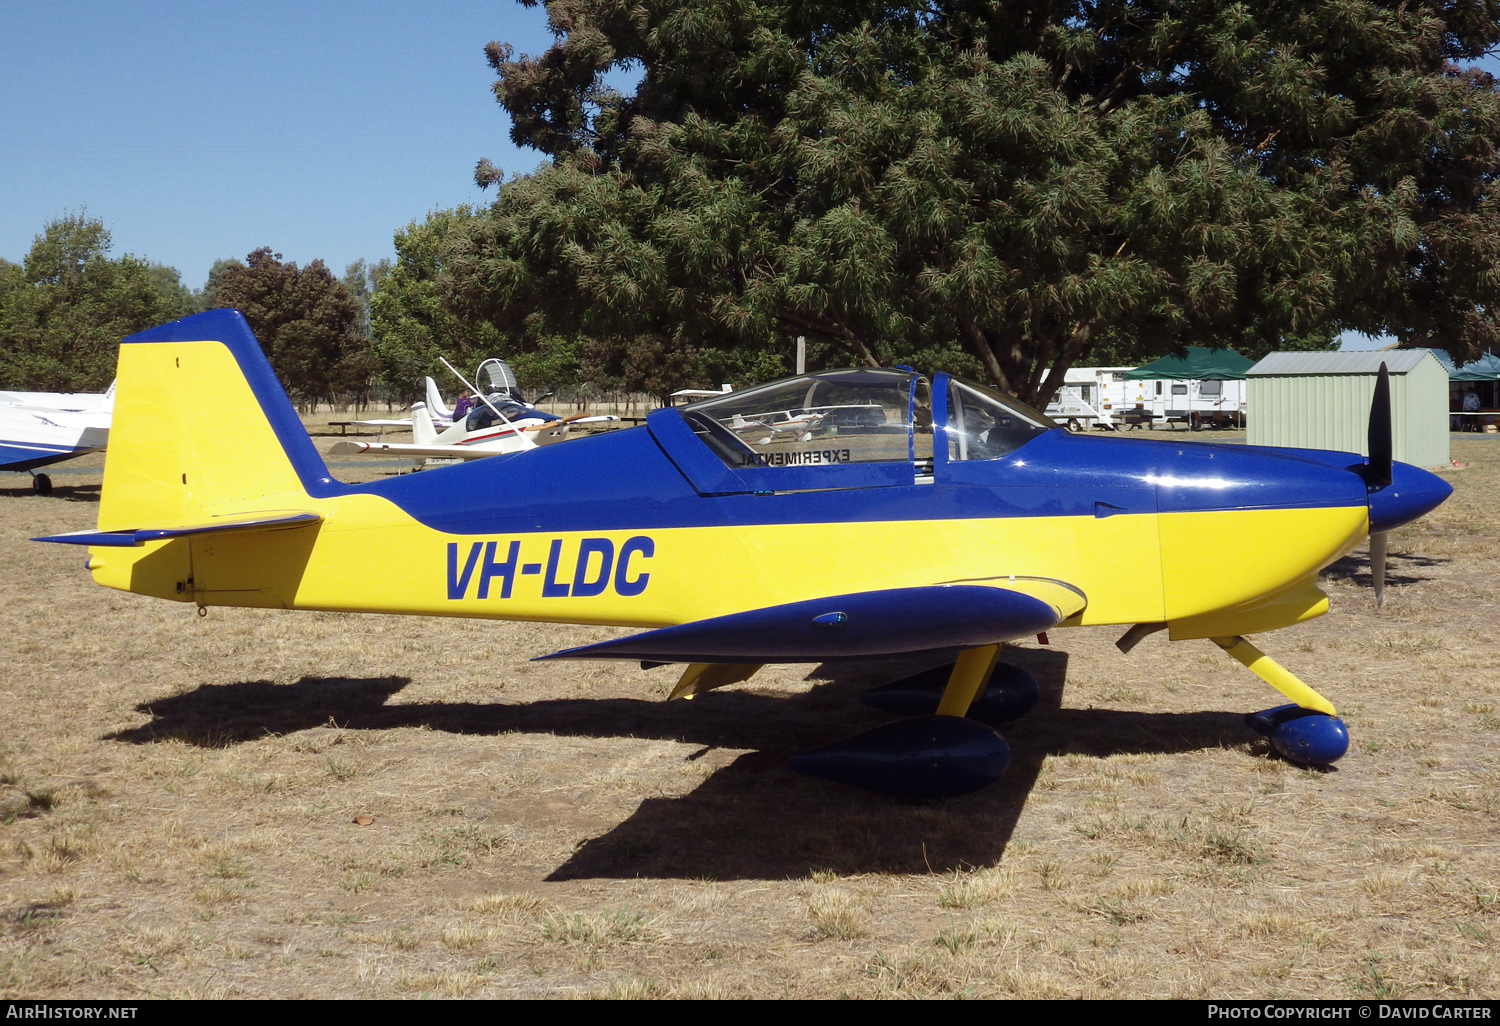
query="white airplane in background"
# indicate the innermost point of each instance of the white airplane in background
(804, 424)
(499, 422)
(495, 378)
(495, 434)
(65, 402)
(38, 429)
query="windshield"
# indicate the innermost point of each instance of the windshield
(854, 416)
(983, 424)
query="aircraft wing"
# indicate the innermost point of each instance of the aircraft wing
(35, 437)
(404, 422)
(20, 456)
(436, 452)
(961, 614)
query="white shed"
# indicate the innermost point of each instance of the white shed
(1322, 401)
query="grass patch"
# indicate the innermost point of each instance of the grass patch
(837, 915)
(977, 889)
(624, 926)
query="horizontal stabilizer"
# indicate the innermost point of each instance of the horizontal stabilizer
(864, 624)
(435, 452)
(140, 536)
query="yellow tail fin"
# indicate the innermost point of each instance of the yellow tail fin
(210, 479)
(195, 432)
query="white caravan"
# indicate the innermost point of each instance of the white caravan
(1112, 397)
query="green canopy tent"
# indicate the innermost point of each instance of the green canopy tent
(1200, 364)
(1486, 368)
(1482, 378)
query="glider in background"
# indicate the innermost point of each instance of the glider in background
(961, 521)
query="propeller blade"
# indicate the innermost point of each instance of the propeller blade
(1378, 472)
(1377, 565)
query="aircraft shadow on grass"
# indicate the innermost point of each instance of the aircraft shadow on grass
(753, 818)
(63, 492)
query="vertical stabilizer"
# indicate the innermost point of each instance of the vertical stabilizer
(435, 401)
(202, 428)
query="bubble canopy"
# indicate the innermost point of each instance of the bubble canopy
(856, 428)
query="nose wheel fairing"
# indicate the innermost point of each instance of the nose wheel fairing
(1302, 735)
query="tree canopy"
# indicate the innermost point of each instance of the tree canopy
(410, 326)
(65, 308)
(1002, 184)
(306, 320)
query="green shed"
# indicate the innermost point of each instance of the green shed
(1322, 401)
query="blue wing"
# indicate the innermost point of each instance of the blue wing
(869, 623)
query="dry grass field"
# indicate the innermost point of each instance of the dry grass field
(178, 803)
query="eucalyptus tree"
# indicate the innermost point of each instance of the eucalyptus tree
(1015, 180)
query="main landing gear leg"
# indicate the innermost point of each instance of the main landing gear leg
(1003, 692)
(970, 673)
(701, 677)
(1306, 731)
(940, 755)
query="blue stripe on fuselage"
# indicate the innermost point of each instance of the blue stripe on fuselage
(625, 480)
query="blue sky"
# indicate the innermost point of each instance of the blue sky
(202, 130)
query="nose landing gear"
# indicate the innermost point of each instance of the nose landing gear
(1308, 730)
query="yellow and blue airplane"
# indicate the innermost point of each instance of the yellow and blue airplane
(905, 515)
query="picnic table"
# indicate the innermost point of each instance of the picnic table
(1456, 421)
